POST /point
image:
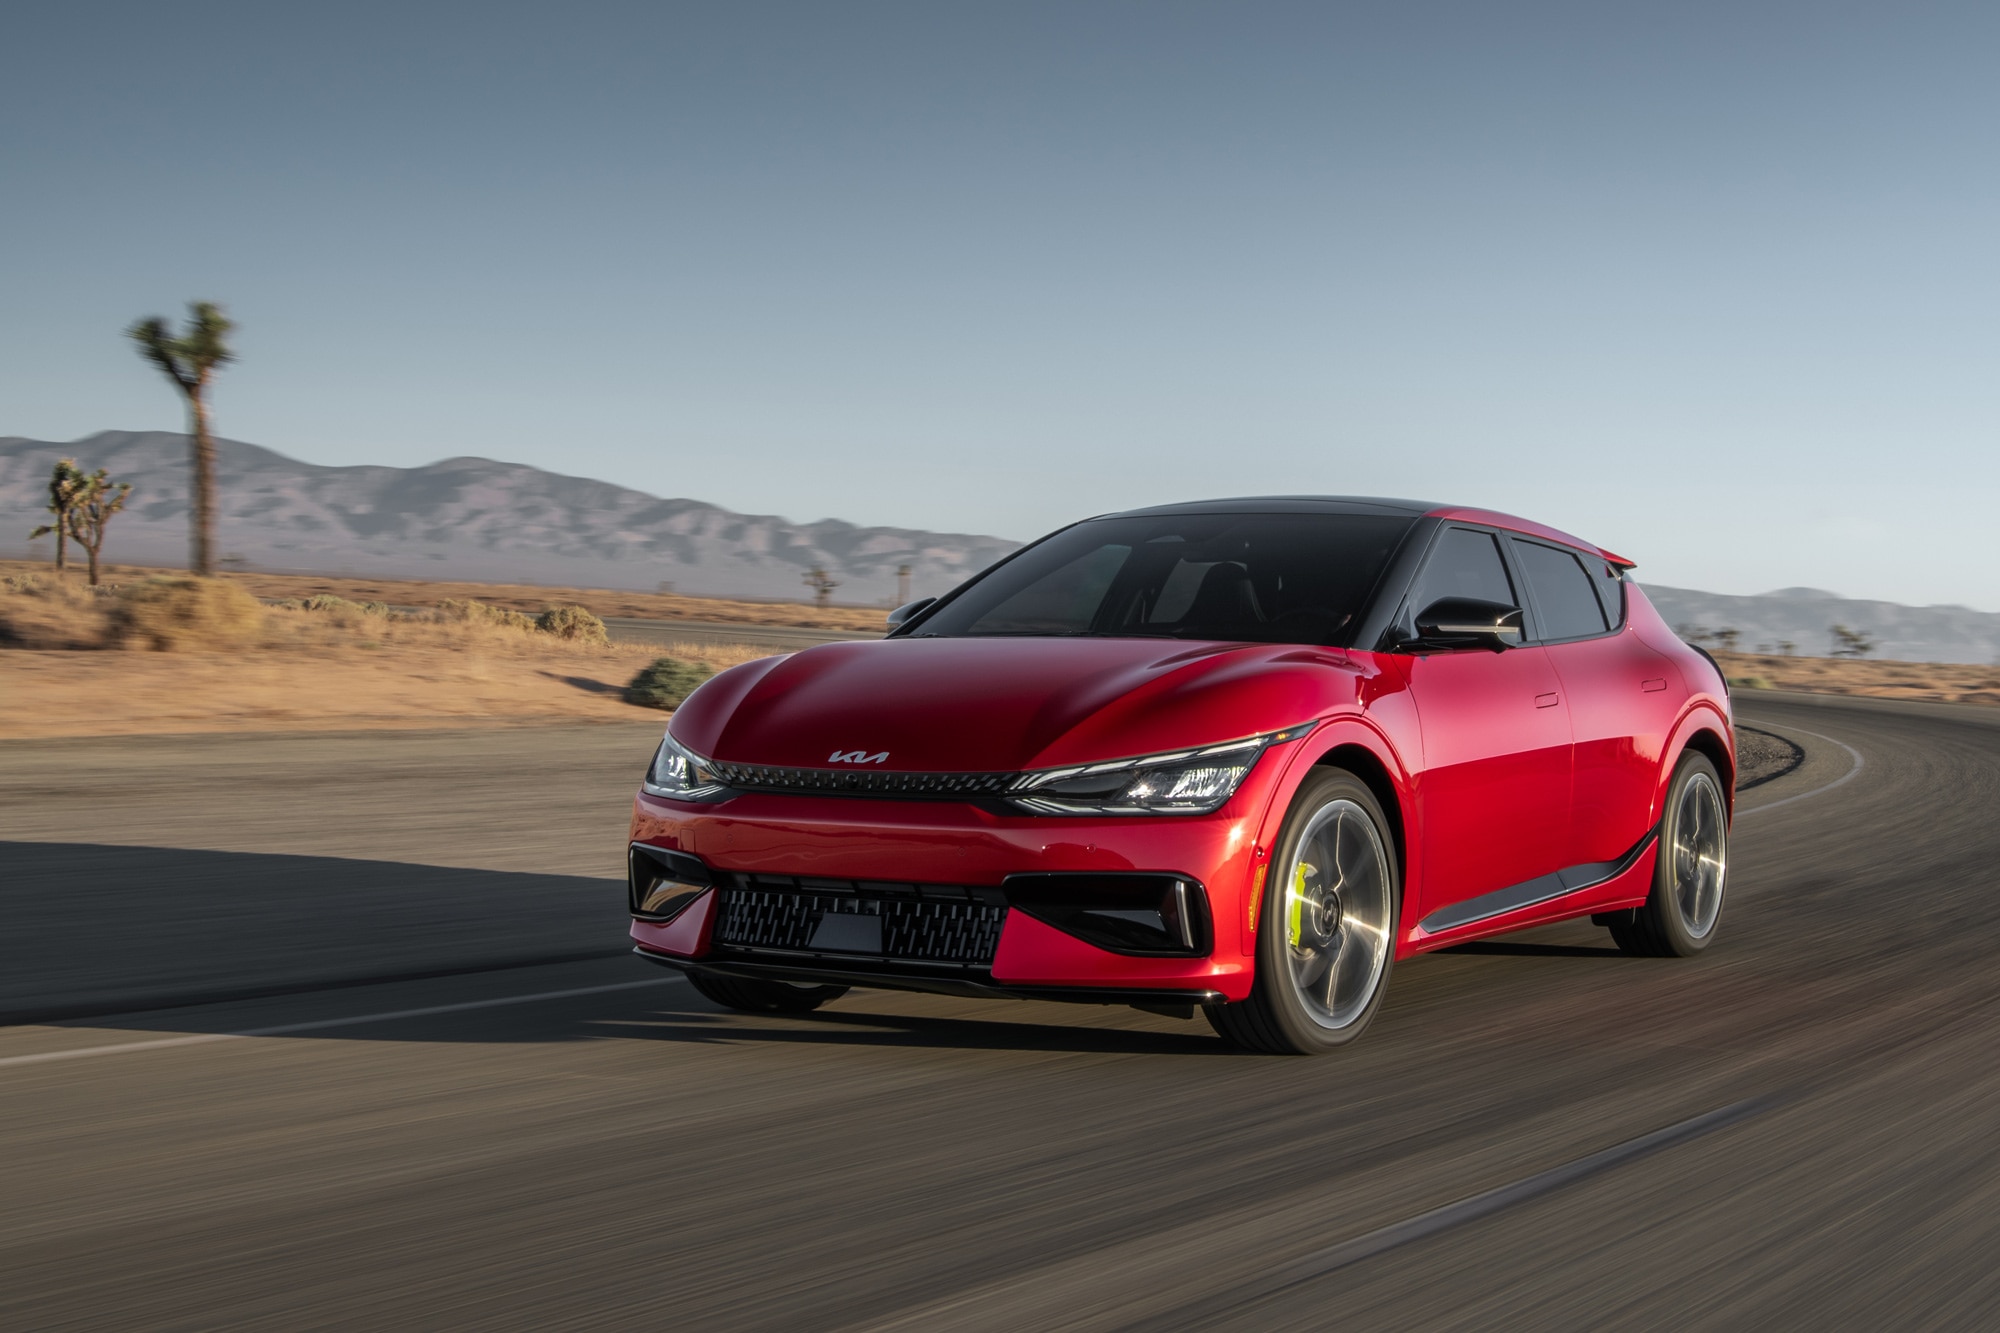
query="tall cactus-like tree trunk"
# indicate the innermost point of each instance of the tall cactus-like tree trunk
(201, 495)
(190, 360)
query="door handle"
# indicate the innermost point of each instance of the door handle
(1655, 684)
(1547, 700)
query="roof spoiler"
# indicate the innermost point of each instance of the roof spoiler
(1618, 560)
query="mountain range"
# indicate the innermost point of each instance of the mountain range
(476, 519)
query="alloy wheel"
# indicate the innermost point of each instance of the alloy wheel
(1337, 905)
(1700, 854)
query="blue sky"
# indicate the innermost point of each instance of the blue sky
(1713, 285)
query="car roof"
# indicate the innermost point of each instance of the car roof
(1370, 504)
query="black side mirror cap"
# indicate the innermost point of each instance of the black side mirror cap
(1469, 622)
(908, 611)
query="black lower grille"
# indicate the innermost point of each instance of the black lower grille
(904, 922)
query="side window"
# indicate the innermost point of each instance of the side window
(1464, 563)
(1565, 600)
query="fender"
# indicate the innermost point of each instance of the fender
(1701, 713)
(1342, 730)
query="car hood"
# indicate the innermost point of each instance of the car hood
(1001, 704)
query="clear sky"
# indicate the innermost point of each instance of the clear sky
(1715, 285)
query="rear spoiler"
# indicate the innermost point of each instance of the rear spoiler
(1620, 561)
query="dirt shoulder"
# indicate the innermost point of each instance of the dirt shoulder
(53, 694)
(530, 598)
(1931, 681)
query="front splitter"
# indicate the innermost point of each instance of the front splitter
(976, 986)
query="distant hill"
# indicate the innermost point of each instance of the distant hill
(473, 518)
(1805, 615)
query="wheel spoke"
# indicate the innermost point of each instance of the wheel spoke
(1700, 855)
(1338, 918)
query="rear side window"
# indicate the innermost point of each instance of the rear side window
(1566, 604)
(1464, 563)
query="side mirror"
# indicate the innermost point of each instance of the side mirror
(1468, 622)
(906, 612)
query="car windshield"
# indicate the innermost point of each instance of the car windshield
(1257, 578)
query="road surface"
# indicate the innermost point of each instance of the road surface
(459, 1104)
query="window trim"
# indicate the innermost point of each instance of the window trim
(1520, 573)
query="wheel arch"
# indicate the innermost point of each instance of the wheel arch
(1366, 765)
(1700, 732)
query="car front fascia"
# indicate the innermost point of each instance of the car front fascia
(942, 842)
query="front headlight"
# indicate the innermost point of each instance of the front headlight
(682, 775)
(1186, 782)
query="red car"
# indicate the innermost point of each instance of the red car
(1238, 756)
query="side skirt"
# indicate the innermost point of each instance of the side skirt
(1545, 888)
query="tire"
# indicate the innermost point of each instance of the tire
(1690, 872)
(1335, 923)
(763, 997)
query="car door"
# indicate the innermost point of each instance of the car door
(1620, 704)
(1493, 797)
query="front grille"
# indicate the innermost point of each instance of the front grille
(862, 782)
(920, 923)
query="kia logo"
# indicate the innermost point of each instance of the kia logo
(857, 757)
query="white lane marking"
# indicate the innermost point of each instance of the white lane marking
(1848, 776)
(352, 1020)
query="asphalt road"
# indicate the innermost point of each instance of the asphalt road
(582, 1142)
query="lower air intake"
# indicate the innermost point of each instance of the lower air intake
(901, 922)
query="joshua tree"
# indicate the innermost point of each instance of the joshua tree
(822, 584)
(1851, 642)
(64, 483)
(1726, 638)
(1786, 646)
(96, 502)
(190, 361)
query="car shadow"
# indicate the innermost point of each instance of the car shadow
(833, 1027)
(1527, 949)
(172, 941)
(95, 930)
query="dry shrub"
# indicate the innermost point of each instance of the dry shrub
(469, 612)
(574, 623)
(326, 601)
(665, 682)
(175, 614)
(51, 613)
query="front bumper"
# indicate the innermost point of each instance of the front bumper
(933, 850)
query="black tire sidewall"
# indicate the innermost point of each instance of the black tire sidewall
(1274, 980)
(1662, 910)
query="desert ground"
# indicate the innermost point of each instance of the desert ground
(399, 669)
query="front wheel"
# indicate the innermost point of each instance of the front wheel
(1690, 869)
(1327, 931)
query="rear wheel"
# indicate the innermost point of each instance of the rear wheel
(763, 997)
(1690, 870)
(1326, 936)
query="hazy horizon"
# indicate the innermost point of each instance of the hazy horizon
(1710, 287)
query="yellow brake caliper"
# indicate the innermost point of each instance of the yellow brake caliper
(1295, 904)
